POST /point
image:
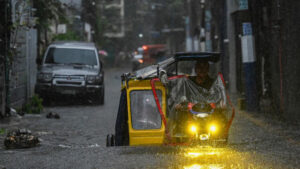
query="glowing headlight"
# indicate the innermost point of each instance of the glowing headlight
(213, 128)
(193, 129)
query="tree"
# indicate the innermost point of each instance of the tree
(47, 12)
(91, 13)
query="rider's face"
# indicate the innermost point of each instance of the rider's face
(202, 69)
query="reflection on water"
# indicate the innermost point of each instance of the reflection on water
(206, 166)
(206, 157)
(203, 157)
(202, 151)
(197, 154)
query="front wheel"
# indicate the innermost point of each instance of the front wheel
(99, 97)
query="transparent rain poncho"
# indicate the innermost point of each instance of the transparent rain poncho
(178, 78)
(184, 91)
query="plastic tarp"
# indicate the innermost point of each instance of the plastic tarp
(186, 99)
(151, 71)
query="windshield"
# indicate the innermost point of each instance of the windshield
(71, 56)
(144, 113)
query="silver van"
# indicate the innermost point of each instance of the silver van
(71, 68)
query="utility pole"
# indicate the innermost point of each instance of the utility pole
(231, 48)
(202, 26)
(249, 60)
(188, 27)
(208, 18)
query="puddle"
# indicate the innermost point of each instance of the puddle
(41, 133)
(93, 145)
(79, 146)
(64, 146)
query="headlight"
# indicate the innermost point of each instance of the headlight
(90, 79)
(213, 128)
(46, 77)
(193, 129)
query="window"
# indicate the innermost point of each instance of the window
(71, 56)
(144, 111)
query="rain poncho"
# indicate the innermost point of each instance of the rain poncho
(185, 93)
(186, 90)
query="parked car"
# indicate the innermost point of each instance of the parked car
(136, 61)
(71, 68)
(148, 55)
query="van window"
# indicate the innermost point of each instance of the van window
(71, 56)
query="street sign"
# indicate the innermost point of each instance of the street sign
(247, 28)
(248, 49)
(243, 5)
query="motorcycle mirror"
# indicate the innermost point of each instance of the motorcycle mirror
(163, 77)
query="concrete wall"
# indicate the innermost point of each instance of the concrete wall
(3, 48)
(289, 28)
(277, 32)
(2, 89)
(24, 68)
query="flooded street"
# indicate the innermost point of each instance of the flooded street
(78, 140)
(131, 84)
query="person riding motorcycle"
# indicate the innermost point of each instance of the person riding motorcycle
(202, 79)
(190, 103)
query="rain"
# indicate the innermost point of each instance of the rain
(172, 84)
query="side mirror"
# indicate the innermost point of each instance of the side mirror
(163, 77)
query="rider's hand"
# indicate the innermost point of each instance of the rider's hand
(178, 106)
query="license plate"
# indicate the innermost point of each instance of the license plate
(68, 92)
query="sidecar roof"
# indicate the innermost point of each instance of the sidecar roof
(209, 56)
(151, 71)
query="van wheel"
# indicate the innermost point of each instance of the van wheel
(101, 101)
(102, 98)
(99, 98)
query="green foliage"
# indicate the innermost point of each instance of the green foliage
(34, 106)
(91, 13)
(2, 131)
(47, 11)
(70, 35)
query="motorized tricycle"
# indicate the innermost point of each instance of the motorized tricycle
(163, 104)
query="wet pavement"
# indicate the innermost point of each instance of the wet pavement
(77, 140)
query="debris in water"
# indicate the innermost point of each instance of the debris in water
(53, 115)
(20, 138)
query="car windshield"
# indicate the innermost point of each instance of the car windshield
(71, 56)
